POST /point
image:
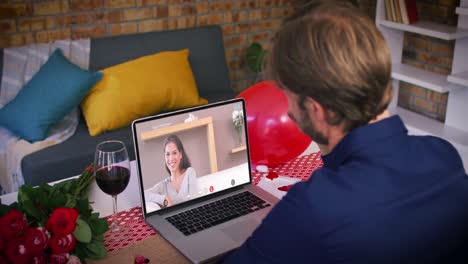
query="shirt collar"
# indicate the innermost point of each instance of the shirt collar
(363, 136)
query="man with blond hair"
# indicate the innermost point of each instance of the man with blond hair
(382, 196)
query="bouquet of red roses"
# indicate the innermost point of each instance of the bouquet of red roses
(52, 224)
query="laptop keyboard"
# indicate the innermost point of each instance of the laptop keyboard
(215, 213)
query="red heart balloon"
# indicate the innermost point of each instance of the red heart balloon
(274, 138)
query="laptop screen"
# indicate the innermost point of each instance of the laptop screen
(191, 153)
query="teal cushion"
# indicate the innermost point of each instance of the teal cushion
(57, 88)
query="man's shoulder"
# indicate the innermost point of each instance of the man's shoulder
(432, 152)
(430, 144)
(323, 192)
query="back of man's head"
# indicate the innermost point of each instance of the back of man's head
(333, 53)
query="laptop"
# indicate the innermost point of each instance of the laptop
(209, 206)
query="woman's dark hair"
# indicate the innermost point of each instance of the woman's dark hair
(185, 162)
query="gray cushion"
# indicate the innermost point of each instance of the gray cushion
(71, 157)
(207, 59)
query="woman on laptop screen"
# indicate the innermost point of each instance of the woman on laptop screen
(180, 186)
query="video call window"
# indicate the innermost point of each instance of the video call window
(189, 155)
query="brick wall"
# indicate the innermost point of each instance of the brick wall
(243, 22)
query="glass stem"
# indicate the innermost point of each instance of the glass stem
(115, 224)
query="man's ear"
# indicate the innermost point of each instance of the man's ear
(314, 109)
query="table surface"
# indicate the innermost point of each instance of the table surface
(123, 246)
(138, 238)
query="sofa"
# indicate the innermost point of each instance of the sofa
(208, 63)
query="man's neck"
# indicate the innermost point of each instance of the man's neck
(382, 116)
(336, 134)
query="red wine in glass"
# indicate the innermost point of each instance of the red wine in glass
(113, 179)
(112, 171)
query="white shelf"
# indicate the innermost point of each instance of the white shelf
(433, 81)
(430, 29)
(459, 78)
(461, 10)
(455, 129)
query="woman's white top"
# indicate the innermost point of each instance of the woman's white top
(188, 189)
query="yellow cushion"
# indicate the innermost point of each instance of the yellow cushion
(141, 87)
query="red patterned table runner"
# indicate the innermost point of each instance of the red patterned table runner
(300, 167)
(135, 229)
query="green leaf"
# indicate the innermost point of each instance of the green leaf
(41, 198)
(255, 56)
(42, 222)
(82, 231)
(4, 209)
(25, 193)
(45, 188)
(98, 225)
(80, 251)
(34, 203)
(71, 201)
(94, 215)
(98, 237)
(66, 186)
(82, 205)
(32, 210)
(96, 250)
(58, 199)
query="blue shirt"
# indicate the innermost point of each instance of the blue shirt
(382, 196)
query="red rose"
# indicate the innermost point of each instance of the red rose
(16, 251)
(62, 221)
(62, 244)
(3, 245)
(12, 224)
(40, 259)
(58, 258)
(36, 240)
(3, 259)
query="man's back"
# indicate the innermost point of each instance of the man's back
(381, 197)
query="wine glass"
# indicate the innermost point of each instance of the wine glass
(112, 171)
